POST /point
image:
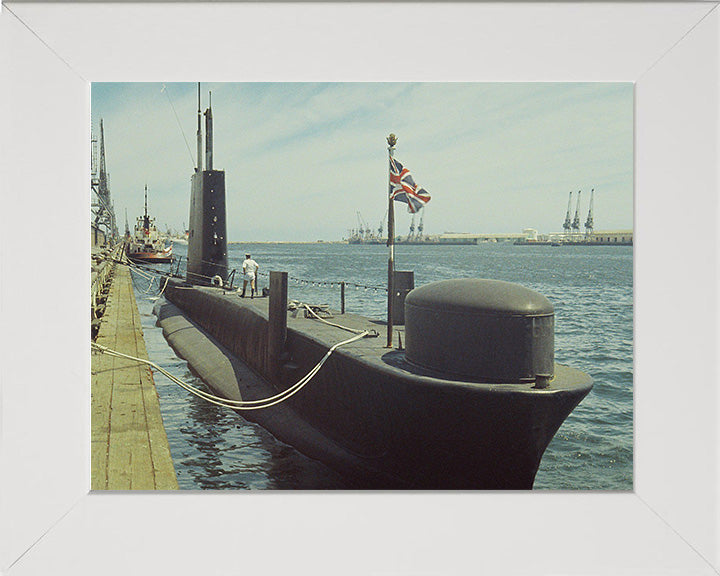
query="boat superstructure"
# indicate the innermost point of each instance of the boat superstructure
(146, 244)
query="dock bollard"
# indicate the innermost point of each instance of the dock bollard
(277, 322)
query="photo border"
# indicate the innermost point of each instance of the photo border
(50, 521)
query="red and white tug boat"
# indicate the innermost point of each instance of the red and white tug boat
(146, 244)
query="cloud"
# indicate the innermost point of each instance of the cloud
(302, 159)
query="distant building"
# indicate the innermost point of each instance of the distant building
(481, 237)
(530, 234)
(613, 236)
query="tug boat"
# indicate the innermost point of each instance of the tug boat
(146, 244)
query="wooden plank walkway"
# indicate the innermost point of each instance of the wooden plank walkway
(129, 445)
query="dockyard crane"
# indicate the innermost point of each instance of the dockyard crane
(102, 208)
(589, 222)
(382, 225)
(365, 229)
(567, 224)
(104, 186)
(412, 228)
(576, 220)
(361, 229)
(420, 226)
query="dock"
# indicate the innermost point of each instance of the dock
(130, 449)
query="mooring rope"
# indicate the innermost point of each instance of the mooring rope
(147, 273)
(309, 308)
(151, 283)
(225, 402)
(164, 286)
(236, 404)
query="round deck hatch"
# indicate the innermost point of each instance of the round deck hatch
(486, 330)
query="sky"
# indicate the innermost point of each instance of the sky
(302, 159)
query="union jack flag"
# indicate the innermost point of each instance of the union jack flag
(404, 189)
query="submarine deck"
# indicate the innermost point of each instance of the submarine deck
(368, 413)
(372, 350)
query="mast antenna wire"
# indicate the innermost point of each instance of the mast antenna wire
(167, 93)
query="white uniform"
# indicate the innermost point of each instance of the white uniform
(250, 268)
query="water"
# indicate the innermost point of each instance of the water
(590, 287)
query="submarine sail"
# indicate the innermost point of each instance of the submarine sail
(207, 241)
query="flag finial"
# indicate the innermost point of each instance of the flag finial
(392, 140)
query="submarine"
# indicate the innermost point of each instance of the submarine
(468, 396)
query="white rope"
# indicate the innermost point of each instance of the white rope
(141, 271)
(235, 404)
(150, 276)
(309, 309)
(138, 270)
(150, 285)
(225, 402)
(164, 286)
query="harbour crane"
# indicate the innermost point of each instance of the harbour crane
(365, 231)
(567, 224)
(412, 228)
(576, 220)
(420, 226)
(361, 229)
(589, 224)
(382, 225)
(102, 206)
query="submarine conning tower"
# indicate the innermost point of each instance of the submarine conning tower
(207, 241)
(484, 330)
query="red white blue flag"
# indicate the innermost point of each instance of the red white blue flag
(404, 189)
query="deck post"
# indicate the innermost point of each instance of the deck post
(342, 297)
(391, 140)
(277, 323)
(404, 281)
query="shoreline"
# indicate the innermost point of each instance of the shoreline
(241, 242)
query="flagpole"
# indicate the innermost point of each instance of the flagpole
(391, 140)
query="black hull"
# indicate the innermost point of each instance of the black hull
(376, 417)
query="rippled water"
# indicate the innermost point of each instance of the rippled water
(590, 287)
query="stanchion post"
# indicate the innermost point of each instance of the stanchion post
(277, 322)
(342, 297)
(391, 140)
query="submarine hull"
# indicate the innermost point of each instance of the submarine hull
(399, 425)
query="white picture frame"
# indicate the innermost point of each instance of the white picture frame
(51, 524)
